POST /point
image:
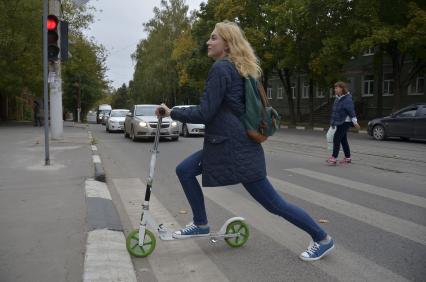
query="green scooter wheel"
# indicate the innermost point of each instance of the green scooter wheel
(242, 229)
(132, 244)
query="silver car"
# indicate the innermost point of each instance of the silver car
(141, 123)
(187, 129)
(115, 122)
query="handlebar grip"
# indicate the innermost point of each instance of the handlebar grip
(162, 111)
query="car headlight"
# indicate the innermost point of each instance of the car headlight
(143, 124)
(174, 123)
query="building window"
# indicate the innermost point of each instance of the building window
(269, 93)
(293, 90)
(320, 93)
(369, 52)
(332, 94)
(280, 93)
(387, 84)
(417, 87)
(368, 84)
(305, 93)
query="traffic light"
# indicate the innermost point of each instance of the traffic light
(64, 40)
(52, 38)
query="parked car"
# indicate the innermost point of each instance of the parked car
(115, 122)
(141, 122)
(409, 122)
(102, 110)
(187, 129)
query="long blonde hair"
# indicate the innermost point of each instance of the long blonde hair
(240, 51)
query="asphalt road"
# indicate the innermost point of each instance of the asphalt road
(373, 208)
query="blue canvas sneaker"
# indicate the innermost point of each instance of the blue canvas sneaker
(317, 250)
(191, 230)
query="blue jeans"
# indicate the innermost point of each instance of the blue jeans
(261, 190)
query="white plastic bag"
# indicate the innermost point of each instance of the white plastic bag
(329, 136)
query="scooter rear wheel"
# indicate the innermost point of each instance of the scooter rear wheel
(132, 243)
(237, 226)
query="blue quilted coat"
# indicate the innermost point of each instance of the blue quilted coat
(229, 156)
(342, 107)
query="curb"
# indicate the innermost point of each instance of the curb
(106, 242)
(297, 127)
(99, 169)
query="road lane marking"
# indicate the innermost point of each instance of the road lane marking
(382, 192)
(173, 261)
(400, 227)
(341, 263)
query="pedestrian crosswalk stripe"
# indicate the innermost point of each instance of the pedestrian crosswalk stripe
(383, 192)
(96, 189)
(342, 263)
(106, 258)
(181, 260)
(398, 226)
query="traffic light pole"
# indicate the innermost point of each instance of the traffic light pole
(56, 117)
(45, 86)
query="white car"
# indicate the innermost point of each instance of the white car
(115, 121)
(187, 129)
(91, 117)
(141, 123)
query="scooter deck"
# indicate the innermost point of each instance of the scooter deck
(213, 235)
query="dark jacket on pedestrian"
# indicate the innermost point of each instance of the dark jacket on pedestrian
(229, 155)
(343, 107)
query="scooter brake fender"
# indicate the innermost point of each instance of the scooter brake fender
(223, 228)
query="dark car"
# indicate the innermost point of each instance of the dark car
(409, 122)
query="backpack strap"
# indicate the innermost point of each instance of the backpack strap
(262, 93)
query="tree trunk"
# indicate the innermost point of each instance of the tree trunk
(378, 67)
(299, 114)
(311, 102)
(285, 80)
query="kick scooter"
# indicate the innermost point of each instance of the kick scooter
(141, 242)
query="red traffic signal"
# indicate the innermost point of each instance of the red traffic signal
(52, 22)
(52, 38)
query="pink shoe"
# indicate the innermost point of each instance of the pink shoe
(346, 161)
(331, 161)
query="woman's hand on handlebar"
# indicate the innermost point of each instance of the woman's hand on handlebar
(163, 111)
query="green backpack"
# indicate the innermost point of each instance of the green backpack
(259, 119)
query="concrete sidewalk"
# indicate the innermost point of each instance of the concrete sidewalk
(57, 223)
(42, 208)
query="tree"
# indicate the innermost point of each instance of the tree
(397, 27)
(120, 98)
(156, 76)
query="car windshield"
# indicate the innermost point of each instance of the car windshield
(145, 111)
(119, 113)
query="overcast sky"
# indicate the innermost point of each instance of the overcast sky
(118, 27)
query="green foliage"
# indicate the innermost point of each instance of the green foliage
(120, 98)
(21, 53)
(84, 72)
(20, 47)
(158, 68)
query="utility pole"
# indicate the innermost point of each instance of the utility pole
(56, 121)
(45, 85)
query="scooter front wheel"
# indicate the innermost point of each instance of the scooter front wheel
(132, 243)
(237, 227)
